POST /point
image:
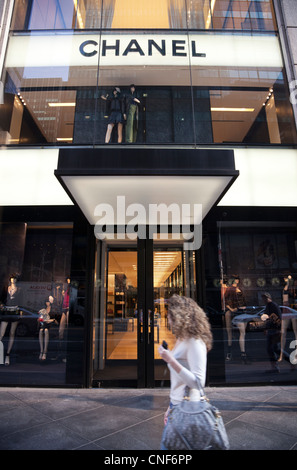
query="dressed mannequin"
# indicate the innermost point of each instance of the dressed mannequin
(286, 317)
(235, 303)
(45, 321)
(65, 310)
(117, 114)
(12, 300)
(64, 317)
(132, 115)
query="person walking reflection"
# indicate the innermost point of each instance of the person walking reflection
(272, 319)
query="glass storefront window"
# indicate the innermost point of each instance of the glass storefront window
(255, 258)
(162, 112)
(60, 99)
(201, 75)
(36, 295)
(236, 15)
(58, 14)
(256, 15)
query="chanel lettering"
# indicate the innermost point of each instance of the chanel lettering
(150, 47)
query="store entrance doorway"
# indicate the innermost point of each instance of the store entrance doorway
(133, 282)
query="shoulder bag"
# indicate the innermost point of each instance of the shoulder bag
(195, 425)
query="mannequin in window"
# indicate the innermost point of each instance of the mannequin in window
(64, 317)
(224, 287)
(65, 310)
(132, 103)
(116, 112)
(287, 318)
(235, 304)
(45, 321)
(13, 295)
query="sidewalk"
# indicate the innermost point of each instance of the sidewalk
(256, 418)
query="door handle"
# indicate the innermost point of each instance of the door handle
(150, 336)
(140, 319)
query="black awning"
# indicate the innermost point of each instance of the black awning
(145, 176)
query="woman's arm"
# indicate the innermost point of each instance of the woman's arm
(196, 358)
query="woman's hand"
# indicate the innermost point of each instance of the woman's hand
(165, 354)
(166, 415)
(168, 357)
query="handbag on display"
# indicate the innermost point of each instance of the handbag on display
(195, 425)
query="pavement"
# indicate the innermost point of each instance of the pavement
(256, 418)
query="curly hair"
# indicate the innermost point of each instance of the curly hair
(189, 320)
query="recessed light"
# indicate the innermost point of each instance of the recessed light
(57, 105)
(236, 110)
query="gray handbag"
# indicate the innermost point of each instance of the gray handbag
(195, 425)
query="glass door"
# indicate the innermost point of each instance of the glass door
(133, 283)
(115, 326)
(174, 272)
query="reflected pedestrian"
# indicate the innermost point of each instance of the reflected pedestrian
(272, 319)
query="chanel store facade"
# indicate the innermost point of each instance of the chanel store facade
(146, 150)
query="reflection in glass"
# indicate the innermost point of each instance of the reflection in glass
(140, 14)
(168, 280)
(59, 14)
(35, 299)
(116, 317)
(255, 109)
(254, 259)
(174, 273)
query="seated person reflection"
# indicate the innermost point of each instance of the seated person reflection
(45, 321)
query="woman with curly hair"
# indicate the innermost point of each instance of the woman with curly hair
(188, 358)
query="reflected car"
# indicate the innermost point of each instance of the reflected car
(252, 317)
(28, 323)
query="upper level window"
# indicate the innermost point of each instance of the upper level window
(141, 14)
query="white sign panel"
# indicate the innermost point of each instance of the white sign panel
(264, 179)
(143, 49)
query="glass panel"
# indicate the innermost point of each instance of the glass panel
(163, 114)
(36, 293)
(241, 104)
(55, 89)
(57, 14)
(238, 14)
(139, 14)
(174, 273)
(115, 340)
(43, 14)
(255, 258)
(50, 103)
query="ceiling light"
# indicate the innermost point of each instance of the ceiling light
(237, 110)
(56, 105)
